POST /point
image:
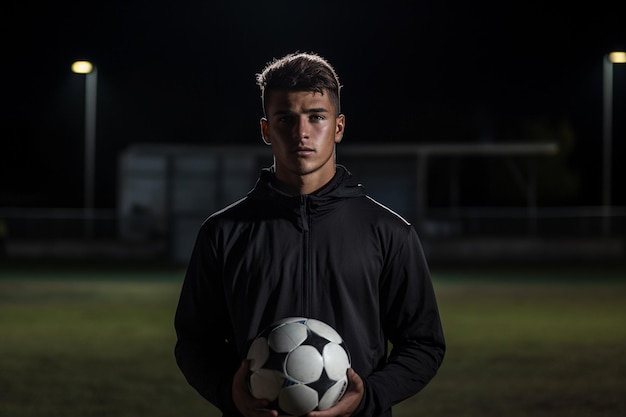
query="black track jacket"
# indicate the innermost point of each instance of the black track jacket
(337, 256)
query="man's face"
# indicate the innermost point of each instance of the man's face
(302, 128)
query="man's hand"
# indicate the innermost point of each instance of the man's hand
(348, 403)
(244, 401)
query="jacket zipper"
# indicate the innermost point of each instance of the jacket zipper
(306, 258)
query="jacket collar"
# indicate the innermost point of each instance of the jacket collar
(342, 185)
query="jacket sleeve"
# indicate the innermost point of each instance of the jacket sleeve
(412, 324)
(204, 350)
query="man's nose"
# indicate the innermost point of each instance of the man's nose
(301, 128)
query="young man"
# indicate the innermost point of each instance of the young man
(307, 241)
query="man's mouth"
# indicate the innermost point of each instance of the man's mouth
(304, 151)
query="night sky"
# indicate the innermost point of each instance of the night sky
(184, 73)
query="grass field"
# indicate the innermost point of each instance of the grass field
(92, 340)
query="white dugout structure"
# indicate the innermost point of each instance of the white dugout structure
(166, 191)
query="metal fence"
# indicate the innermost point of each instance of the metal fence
(581, 222)
(58, 223)
(46, 230)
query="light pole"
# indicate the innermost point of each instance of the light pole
(91, 86)
(607, 123)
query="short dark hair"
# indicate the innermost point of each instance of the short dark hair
(300, 71)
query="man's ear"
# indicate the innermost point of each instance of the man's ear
(340, 126)
(265, 131)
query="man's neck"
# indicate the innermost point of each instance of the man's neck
(302, 185)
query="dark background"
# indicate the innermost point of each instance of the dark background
(414, 72)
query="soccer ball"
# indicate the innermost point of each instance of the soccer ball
(299, 364)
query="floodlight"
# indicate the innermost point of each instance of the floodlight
(82, 67)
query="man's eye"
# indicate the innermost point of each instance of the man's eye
(285, 119)
(317, 117)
